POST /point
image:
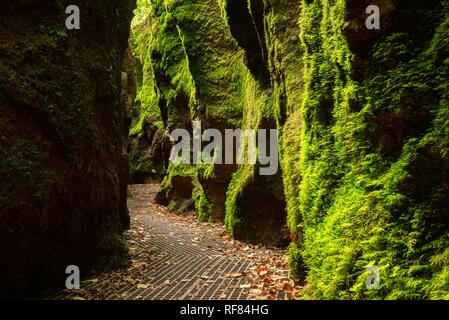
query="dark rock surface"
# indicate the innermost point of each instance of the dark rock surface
(63, 162)
(147, 151)
(263, 214)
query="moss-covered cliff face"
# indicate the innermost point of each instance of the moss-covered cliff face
(63, 162)
(373, 150)
(363, 126)
(208, 61)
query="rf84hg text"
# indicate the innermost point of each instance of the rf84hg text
(240, 309)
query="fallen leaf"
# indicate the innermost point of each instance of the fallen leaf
(234, 275)
(262, 272)
(255, 292)
(287, 287)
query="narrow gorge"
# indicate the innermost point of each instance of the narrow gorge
(362, 121)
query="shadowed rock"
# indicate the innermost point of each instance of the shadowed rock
(63, 161)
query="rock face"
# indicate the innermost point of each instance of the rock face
(362, 117)
(210, 66)
(147, 155)
(373, 130)
(63, 161)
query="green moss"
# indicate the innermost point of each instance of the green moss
(147, 98)
(176, 171)
(202, 205)
(190, 53)
(294, 260)
(357, 203)
(256, 107)
(364, 162)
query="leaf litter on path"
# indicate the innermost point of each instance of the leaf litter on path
(265, 278)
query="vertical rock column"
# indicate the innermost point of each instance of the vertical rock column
(63, 162)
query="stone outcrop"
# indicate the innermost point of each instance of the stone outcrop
(148, 154)
(63, 163)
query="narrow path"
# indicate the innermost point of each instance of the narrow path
(177, 257)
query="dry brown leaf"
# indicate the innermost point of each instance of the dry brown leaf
(234, 275)
(262, 272)
(287, 287)
(255, 292)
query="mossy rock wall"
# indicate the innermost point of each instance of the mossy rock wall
(372, 145)
(363, 131)
(63, 162)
